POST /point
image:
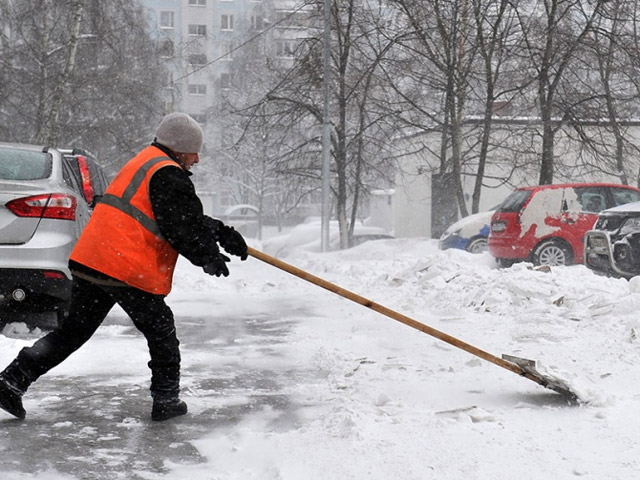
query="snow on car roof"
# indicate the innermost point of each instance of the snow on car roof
(573, 185)
(474, 220)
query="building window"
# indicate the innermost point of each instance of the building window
(227, 48)
(168, 79)
(200, 30)
(197, 89)
(257, 23)
(166, 48)
(168, 103)
(167, 19)
(201, 118)
(285, 48)
(226, 22)
(289, 19)
(198, 3)
(282, 16)
(197, 59)
(225, 80)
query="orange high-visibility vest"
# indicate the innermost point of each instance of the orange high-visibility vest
(122, 238)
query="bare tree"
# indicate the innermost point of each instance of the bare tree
(606, 77)
(551, 33)
(493, 21)
(80, 73)
(358, 127)
(443, 51)
(252, 158)
(61, 87)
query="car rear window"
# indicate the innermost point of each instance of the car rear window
(515, 201)
(24, 164)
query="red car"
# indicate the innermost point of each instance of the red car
(546, 224)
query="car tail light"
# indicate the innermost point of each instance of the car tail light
(53, 274)
(87, 188)
(54, 205)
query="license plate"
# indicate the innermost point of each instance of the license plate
(597, 242)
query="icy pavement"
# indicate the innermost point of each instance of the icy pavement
(97, 426)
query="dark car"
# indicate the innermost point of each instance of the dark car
(612, 247)
(45, 198)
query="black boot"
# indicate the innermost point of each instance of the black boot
(164, 409)
(11, 400)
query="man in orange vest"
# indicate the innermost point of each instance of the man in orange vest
(127, 253)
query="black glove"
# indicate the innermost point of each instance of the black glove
(218, 266)
(232, 242)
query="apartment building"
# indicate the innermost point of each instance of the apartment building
(200, 39)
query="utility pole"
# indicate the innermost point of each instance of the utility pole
(326, 130)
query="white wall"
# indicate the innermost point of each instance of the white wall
(381, 209)
(412, 200)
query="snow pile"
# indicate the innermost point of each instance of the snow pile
(369, 397)
(388, 401)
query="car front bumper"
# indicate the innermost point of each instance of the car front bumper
(599, 255)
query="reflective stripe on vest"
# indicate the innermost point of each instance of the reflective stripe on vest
(123, 203)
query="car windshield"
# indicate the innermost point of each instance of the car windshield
(24, 164)
(515, 201)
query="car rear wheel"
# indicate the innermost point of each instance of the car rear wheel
(552, 253)
(477, 245)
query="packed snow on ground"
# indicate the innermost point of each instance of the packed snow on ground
(381, 400)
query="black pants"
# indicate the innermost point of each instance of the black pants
(90, 304)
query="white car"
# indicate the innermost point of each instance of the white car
(306, 236)
(45, 199)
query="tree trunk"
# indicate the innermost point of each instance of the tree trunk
(62, 85)
(547, 162)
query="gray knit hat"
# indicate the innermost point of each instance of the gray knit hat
(180, 133)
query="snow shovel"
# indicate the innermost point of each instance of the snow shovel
(522, 366)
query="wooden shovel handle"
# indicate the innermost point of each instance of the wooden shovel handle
(390, 313)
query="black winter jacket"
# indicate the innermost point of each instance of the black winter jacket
(179, 215)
